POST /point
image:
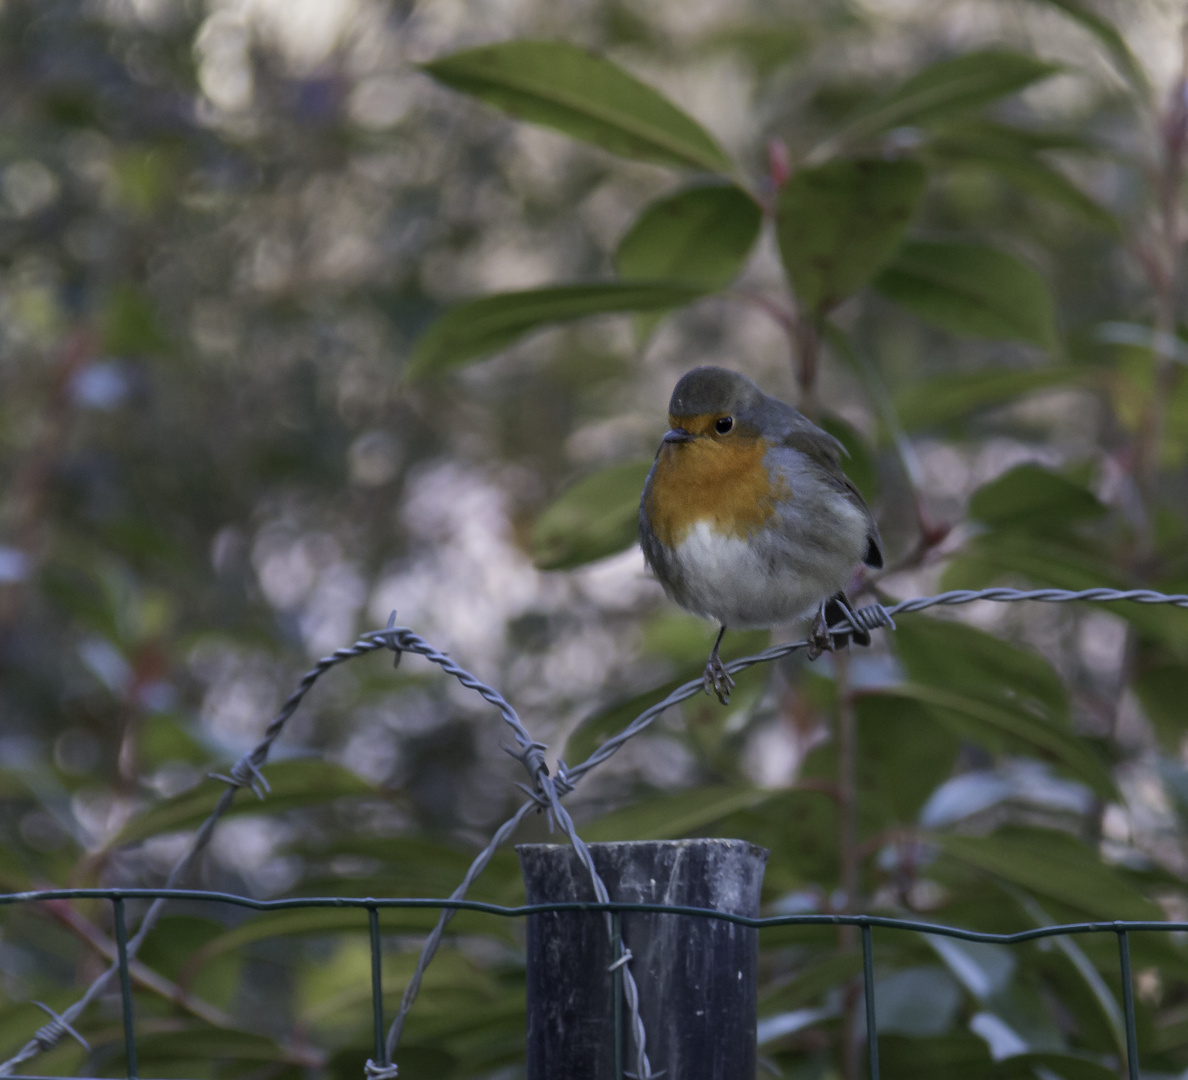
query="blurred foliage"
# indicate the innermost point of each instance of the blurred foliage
(293, 332)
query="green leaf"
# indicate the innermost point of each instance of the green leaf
(1034, 499)
(1162, 690)
(766, 45)
(1007, 726)
(1054, 563)
(403, 866)
(1108, 35)
(1053, 865)
(901, 761)
(1105, 1004)
(129, 324)
(682, 814)
(565, 87)
(686, 640)
(902, 1058)
(811, 982)
(984, 969)
(946, 398)
(200, 1042)
(921, 1001)
(597, 516)
(1011, 160)
(960, 658)
(860, 463)
(840, 223)
(1157, 621)
(299, 782)
(165, 738)
(879, 396)
(1065, 563)
(477, 327)
(1047, 1063)
(689, 651)
(698, 237)
(1147, 338)
(146, 176)
(972, 290)
(315, 922)
(799, 827)
(14, 873)
(171, 950)
(1045, 182)
(956, 85)
(1005, 139)
(595, 729)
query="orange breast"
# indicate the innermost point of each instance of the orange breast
(722, 483)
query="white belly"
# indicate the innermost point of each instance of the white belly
(761, 582)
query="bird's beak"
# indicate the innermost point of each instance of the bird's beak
(677, 434)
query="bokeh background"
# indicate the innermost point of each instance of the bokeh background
(223, 227)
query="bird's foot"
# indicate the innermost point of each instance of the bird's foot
(717, 680)
(820, 640)
(832, 612)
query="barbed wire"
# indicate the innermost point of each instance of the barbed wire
(545, 790)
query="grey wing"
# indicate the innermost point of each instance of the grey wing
(824, 452)
(794, 429)
(873, 557)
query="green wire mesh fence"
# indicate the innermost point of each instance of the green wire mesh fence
(373, 906)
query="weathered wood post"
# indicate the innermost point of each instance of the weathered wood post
(696, 976)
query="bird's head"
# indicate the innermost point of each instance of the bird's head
(714, 404)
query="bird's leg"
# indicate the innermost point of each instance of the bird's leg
(840, 605)
(716, 679)
(820, 640)
(831, 611)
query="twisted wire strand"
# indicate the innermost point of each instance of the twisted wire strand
(643, 1069)
(245, 772)
(874, 617)
(546, 791)
(50, 1033)
(502, 834)
(1043, 596)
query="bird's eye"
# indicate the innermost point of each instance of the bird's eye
(724, 424)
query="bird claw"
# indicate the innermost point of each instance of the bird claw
(717, 680)
(820, 640)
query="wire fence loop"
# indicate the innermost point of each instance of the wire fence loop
(627, 955)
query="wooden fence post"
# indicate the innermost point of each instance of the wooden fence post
(696, 976)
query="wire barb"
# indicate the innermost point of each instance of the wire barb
(244, 773)
(874, 617)
(48, 1036)
(398, 653)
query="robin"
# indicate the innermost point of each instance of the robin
(747, 518)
